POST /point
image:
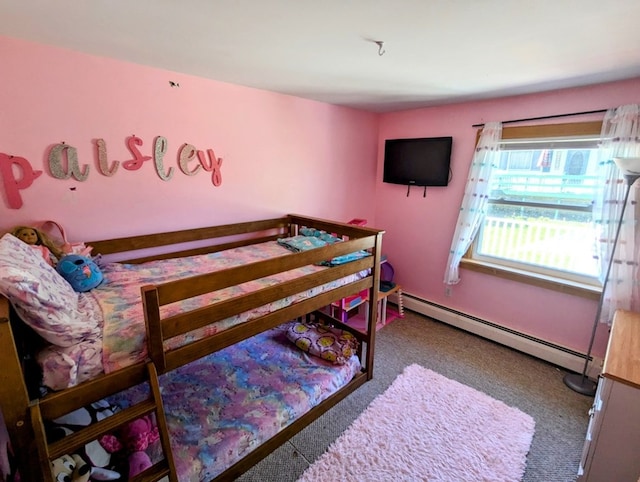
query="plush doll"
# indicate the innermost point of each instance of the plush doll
(70, 468)
(80, 272)
(93, 455)
(38, 241)
(73, 468)
(134, 439)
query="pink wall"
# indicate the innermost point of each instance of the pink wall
(281, 154)
(419, 230)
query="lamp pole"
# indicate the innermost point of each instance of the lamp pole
(580, 382)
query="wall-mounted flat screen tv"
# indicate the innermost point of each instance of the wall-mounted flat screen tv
(417, 162)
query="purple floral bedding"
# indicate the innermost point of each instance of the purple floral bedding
(223, 406)
(118, 303)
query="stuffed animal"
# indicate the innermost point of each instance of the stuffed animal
(80, 272)
(97, 459)
(73, 468)
(134, 439)
(70, 468)
(38, 241)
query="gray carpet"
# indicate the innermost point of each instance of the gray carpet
(533, 386)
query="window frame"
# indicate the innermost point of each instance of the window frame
(589, 128)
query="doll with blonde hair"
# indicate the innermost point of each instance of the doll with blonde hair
(38, 241)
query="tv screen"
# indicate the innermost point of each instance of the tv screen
(417, 162)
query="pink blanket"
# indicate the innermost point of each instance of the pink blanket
(118, 303)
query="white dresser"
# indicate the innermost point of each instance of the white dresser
(612, 446)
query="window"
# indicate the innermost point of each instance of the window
(539, 215)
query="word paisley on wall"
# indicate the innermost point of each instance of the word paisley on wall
(18, 174)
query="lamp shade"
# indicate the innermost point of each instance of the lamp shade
(629, 166)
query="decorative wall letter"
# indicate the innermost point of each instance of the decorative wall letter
(138, 159)
(214, 165)
(56, 167)
(103, 163)
(17, 173)
(216, 174)
(159, 150)
(187, 154)
(12, 186)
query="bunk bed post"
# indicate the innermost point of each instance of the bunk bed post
(14, 401)
(292, 226)
(153, 323)
(40, 438)
(373, 306)
(161, 421)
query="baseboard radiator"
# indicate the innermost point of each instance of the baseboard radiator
(550, 352)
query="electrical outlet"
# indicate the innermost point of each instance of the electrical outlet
(447, 291)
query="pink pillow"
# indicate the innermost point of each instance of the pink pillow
(331, 344)
(42, 298)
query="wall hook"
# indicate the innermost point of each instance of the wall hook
(380, 45)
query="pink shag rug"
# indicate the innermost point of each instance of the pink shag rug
(425, 427)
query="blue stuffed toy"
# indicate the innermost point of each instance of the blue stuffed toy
(80, 272)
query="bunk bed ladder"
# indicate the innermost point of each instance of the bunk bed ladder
(60, 403)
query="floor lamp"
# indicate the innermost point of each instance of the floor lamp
(630, 168)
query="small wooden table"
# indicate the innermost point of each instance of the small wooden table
(382, 299)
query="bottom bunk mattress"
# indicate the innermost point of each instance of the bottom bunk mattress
(223, 406)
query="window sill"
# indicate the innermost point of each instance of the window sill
(548, 282)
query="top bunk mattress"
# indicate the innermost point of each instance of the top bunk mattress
(113, 311)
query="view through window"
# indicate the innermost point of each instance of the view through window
(539, 217)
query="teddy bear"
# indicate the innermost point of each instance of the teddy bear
(135, 440)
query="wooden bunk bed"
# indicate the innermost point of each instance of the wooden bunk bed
(26, 413)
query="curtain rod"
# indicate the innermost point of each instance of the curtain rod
(547, 117)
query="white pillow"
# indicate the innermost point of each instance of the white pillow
(43, 299)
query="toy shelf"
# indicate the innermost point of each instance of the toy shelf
(340, 309)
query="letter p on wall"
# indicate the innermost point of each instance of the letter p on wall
(16, 174)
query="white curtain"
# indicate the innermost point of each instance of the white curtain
(474, 202)
(620, 137)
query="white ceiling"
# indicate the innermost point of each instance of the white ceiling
(435, 51)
